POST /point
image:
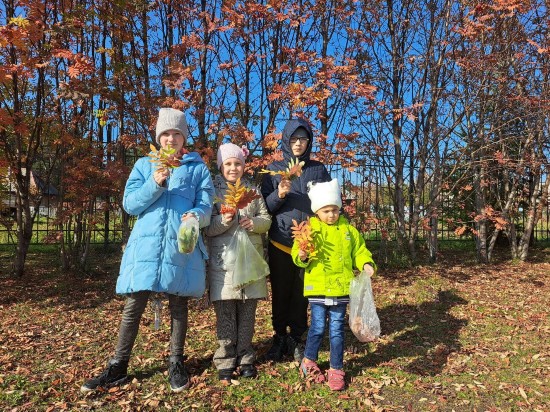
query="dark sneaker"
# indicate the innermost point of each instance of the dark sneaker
(249, 371)
(115, 374)
(178, 376)
(295, 348)
(278, 348)
(225, 376)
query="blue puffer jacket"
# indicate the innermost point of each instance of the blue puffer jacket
(151, 260)
(296, 205)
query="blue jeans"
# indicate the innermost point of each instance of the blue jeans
(336, 318)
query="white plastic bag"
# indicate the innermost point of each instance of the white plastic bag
(363, 320)
(242, 258)
(188, 234)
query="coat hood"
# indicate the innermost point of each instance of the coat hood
(289, 129)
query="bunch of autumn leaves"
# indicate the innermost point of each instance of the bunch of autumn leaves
(165, 158)
(238, 196)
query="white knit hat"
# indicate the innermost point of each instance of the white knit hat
(171, 119)
(324, 194)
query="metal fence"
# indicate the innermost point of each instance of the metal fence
(366, 195)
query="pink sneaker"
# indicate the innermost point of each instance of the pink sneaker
(336, 379)
(310, 370)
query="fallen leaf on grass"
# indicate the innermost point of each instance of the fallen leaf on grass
(523, 394)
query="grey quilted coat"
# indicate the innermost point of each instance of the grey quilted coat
(218, 235)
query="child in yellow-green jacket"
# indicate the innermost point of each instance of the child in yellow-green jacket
(339, 249)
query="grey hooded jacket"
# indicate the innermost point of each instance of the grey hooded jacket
(218, 236)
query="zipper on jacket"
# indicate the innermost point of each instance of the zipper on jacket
(163, 246)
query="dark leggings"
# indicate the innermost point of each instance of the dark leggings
(131, 316)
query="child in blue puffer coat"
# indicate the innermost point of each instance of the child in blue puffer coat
(151, 262)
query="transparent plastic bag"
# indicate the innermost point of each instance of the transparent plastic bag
(363, 320)
(242, 258)
(157, 310)
(188, 234)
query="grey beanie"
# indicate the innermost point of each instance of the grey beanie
(171, 119)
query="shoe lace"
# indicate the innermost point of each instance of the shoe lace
(105, 375)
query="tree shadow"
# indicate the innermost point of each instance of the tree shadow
(426, 334)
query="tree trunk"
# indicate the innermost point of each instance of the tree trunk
(481, 222)
(24, 236)
(539, 196)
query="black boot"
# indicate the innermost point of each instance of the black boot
(295, 348)
(278, 348)
(177, 375)
(249, 371)
(226, 375)
(115, 374)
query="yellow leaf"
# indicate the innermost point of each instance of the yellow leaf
(19, 21)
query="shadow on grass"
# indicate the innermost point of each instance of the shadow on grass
(44, 282)
(423, 334)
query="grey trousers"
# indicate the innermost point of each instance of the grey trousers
(131, 316)
(235, 320)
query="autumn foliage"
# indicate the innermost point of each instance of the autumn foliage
(413, 100)
(165, 157)
(237, 196)
(293, 170)
(303, 235)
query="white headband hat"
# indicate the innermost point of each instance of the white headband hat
(324, 194)
(171, 119)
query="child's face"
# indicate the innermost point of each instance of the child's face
(172, 139)
(328, 214)
(298, 142)
(232, 169)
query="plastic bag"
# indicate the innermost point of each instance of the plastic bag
(157, 310)
(242, 258)
(363, 320)
(188, 234)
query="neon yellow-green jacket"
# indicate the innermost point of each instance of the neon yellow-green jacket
(340, 247)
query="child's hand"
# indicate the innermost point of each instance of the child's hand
(186, 216)
(246, 223)
(160, 176)
(227, 217)
(302, 254)
(284, 188)
(368, 269)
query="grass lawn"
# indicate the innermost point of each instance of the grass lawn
(456, 336)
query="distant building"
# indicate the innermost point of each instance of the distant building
(50, 195)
